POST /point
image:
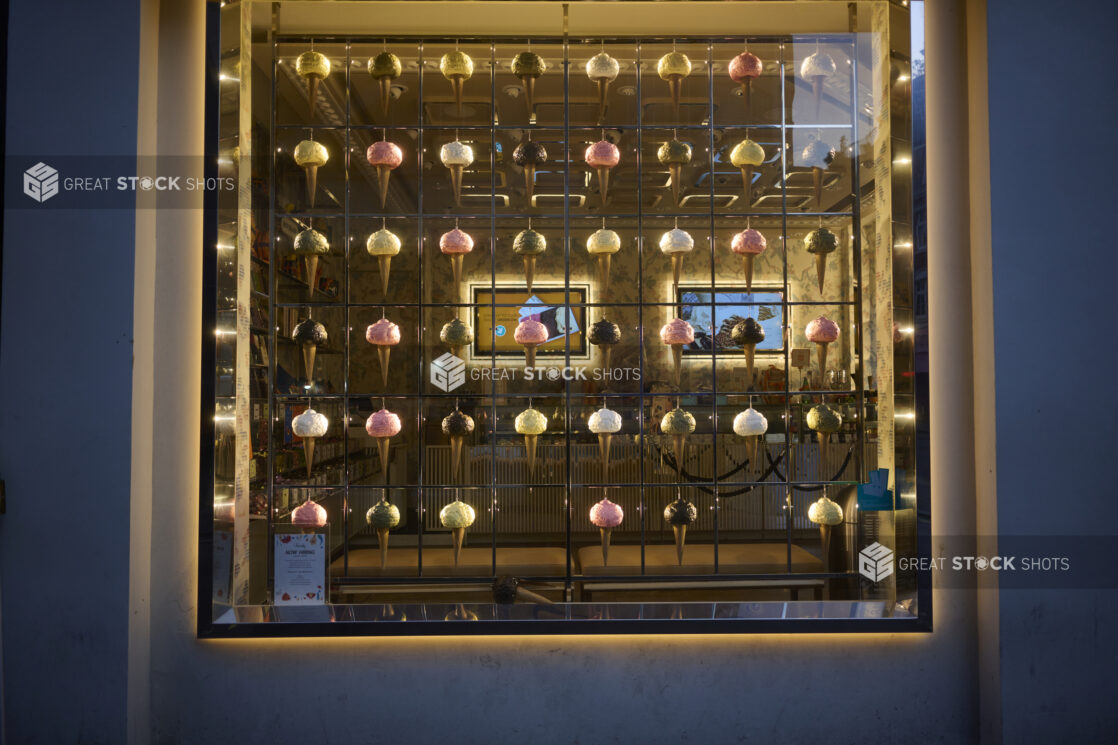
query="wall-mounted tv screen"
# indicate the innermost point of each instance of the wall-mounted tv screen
(502, 309)
(724, 308)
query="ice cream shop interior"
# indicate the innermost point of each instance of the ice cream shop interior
(620, 323)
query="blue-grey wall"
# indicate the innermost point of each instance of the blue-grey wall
(65, 381)
(1053, 76)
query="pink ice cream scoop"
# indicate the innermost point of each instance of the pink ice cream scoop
(677, 331)
(606, 514)
(746, 65)
(382, 423)
(602, 153)
(309, 513)
(383, 333)
(384, 153)
(749, 241)
(530, 332)
(822, 330)
(456, 242)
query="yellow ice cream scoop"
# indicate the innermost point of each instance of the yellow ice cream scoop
(311, 153)
(531, 422)
(747, 153)
(312, 64)
(673, 63)
(456, 63)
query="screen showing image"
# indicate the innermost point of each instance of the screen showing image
(545, 304)
(733, 306)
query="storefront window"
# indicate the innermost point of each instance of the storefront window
(567, 332)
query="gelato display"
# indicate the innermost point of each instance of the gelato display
(309, 426)
(457, 157)
(821, 332)
(824, 421)
(529, 244)
(752, 425)
(602, 70)
(310, 335)
(748, 244)
(313, 67)
(531, 424)
(383, 245)
(603, 244)
(817, 156)
(673, 67)
(457, 67)
(815, 69)
(678, 424)
(457, 426)
(743, 70)
(529, 155)
(310, 156)
(681, 515)
(821, 242)
(383, 335)
(528, 66)
(457, 335)
(675, 244)
(605, 424)
(606, 516)
(457, 516)
(677, 333)
(309, 514)
(602, 156)
(747, 155)
(383, 517)
(748, 333)
(385, 157)
(384, 68)
(604, 334)
(311, 245)
(456, 244)
(530, 334)
(382, 426)
(675, 155)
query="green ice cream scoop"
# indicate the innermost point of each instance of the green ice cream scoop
(529, 243)
(821, 241)
(674, 152)
(456, 334)
(677, 422)
(383, 515)
(385, 65)
(822, 418)
(528, 63)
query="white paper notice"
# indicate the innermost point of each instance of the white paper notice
(300, 569)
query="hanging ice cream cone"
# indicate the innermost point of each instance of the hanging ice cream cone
(308, 452)
(677, 361)
(604, 441)
(309, 351)
(679, 446)
(750, 354)
(817, 185)
(383, 352)
(385, 263)
(456, 445)
(747, 267)
(675, 85)
(529, 83)
(603, 182)
(311, 265)
(529, 270)
(607, 357)
(676, 170)
(312, 183)
(603, 93)
(680, 539)
(530, 442)
(604, 261)
(457, 539)
(821, 269)
(530, 355)
(383, 174)
(817, 88)
(312, 91)
(606, 532)
(456, 261)
(382, 539)
(456, 182)
(383, 445)
(821, 358)
(529, 181)
(456, 83)
(747, 184)
(677, 267)
(385, 84)
(824, 440)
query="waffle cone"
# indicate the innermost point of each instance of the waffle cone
(308, 452)
(821, 358)
(750, 354)
(606, 533)
(677, 361)
(530, 355)
(309, 351)
(384, 173)
(604, 261)
(817, 186)
(383, 353)
(385, 264)
(607, 358)
(603, 183)
(529, 271)
(456, 445)
(675, 86)
(530, 443)
(311, 264)
(679, 449)
(312, 183)
(603, 94)
(312, 92)
(457, 539)
(751, 450)
(824, 440)
(825, 546)
(676, 170)
(529, 181)
(604, 441)
(677, 268)
(747, 261)
(382, 540)
(529, 83)
(456, 182)
(821, 270)
(384, 82)
(456, 261)
(680, 532)
(456, 84)
(747, 184)
(383, 445)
